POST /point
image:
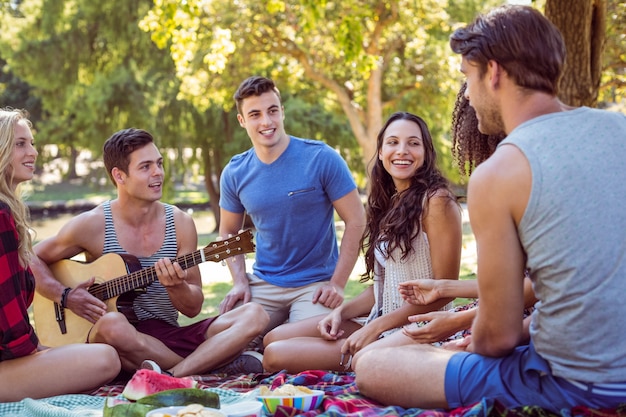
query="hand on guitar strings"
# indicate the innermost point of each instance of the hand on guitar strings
(84, 304)
(170, 274)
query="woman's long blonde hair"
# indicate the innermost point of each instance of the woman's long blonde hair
(9, 118)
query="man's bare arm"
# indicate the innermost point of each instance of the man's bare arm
(230, 224)
(497, 198)
(80, 235)
(183, 286)
(350, 209)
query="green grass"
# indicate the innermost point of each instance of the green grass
(206, 238)
(78, 190)
(66, 192)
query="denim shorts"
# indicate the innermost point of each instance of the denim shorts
(522, 378)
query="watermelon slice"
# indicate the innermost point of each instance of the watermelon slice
(147, 382)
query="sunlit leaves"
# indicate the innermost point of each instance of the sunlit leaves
(368, 56)
(613, 84)
(93, 68)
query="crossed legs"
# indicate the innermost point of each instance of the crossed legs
(225, 339)
(408, 376)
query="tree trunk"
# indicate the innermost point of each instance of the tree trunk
(209, 183)
(583, 25)
(71, 173)
(211, 156)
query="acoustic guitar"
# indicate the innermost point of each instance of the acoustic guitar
(56, 326)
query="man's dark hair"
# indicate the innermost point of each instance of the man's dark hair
(120, 145)
(254, 86)
(519, 38)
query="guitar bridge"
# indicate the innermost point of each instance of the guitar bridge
(59, 313)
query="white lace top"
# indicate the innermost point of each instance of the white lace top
(391, 271)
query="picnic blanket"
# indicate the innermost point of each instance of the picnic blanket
(342, 399)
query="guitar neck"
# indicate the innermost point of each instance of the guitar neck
(215, 252)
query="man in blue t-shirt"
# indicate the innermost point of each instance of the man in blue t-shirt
(290, 188)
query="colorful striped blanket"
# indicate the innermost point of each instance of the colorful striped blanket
(342, 399)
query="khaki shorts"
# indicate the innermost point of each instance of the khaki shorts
(286, 304)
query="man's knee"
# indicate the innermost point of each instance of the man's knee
(255, 315)
(109, 328)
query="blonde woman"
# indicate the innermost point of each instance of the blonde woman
(33, 370)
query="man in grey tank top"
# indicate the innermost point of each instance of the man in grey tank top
(139, 224)
(549, 200)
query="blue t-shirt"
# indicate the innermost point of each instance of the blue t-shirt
(290, 203)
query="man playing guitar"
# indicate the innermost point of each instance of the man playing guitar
(139, 224)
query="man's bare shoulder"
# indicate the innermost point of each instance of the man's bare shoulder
(506, 164)
(503, 180)
(83, 233)
(92, 219)
(181, 215)
(186, 231)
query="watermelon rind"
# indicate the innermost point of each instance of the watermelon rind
(117, 408)
(182, 396)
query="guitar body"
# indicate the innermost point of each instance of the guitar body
(71, 273)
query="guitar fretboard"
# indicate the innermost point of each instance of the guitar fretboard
(215, 252)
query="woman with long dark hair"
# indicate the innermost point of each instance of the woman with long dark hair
(413, 232)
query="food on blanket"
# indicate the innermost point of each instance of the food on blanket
(182, 396)
(179, 397)
(191, 410)
(288, 390)
(116, 408)
(287, 396)
(147, 382)
(243, 409)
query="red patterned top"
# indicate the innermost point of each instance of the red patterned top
(17, 287)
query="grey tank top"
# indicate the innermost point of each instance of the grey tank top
(155, 302)
(573, 232)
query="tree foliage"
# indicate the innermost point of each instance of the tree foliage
(88, 68)
(16, 93)
(366, 58)
(613, 82)
(94, 70)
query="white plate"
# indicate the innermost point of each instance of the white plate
(172, 411)
(243, 409)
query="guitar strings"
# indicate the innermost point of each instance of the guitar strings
(144, 277)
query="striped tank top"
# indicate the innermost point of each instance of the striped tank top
(155, 302)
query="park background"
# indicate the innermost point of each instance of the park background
(85, 69)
